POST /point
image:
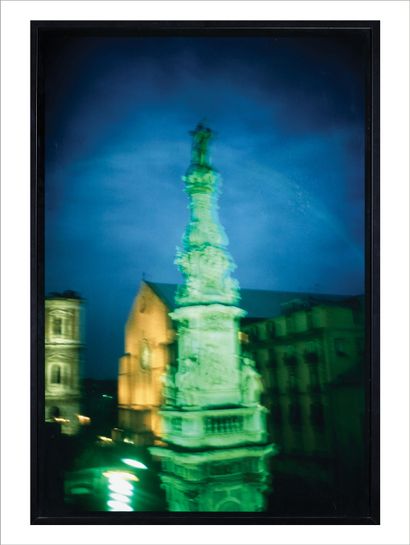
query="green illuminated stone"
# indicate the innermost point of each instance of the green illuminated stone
(204, 261)
(212, 399)
(211, 373)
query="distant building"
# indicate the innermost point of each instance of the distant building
(302, 354)
(301, 343)
(63, 356)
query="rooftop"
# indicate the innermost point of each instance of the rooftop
(67, 294)
(263, 303)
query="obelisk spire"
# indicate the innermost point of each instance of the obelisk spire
(204, 260)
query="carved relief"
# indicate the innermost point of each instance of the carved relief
(187, 382)
(251, 383)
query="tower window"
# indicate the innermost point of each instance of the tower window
(56, 374)
(57, 326)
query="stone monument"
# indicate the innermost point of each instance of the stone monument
(213, 424)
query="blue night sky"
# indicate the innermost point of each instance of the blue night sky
(289, 118)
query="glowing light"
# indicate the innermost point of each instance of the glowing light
(61, 420)
(121, 487)
(243, 337)
(118, 506)
(83, 419)
(120, 476)
(106, 396)
(104, 439)
(120, 497)
(134, 463)
(126, 440)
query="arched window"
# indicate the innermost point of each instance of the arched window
(55, 374)
(57, 326)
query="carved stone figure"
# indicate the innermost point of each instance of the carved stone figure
(251, 384)
(186, 382)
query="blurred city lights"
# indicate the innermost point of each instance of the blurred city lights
(61, 420)
(104, 439)
(83, 419)
(120, 497)
(134, 463)
(120, 475)
(121, 487)
(118, 506)
(121, 490)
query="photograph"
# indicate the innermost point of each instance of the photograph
(204, 272)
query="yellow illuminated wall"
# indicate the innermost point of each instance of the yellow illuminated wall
(148, 338)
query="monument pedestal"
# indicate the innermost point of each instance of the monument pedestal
(222, 480)
(207, 428)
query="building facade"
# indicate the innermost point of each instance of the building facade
(302, 354)
(63, 359)
(149, 350)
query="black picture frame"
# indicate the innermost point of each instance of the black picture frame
(39, 29)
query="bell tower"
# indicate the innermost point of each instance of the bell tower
(63, 354)
(212, 401)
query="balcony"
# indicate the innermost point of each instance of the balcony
(214, 427)
(223, 424)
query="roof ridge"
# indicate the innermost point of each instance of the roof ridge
(294, 292)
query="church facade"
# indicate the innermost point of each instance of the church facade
(149, 351)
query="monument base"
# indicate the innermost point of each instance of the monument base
(222, 480)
